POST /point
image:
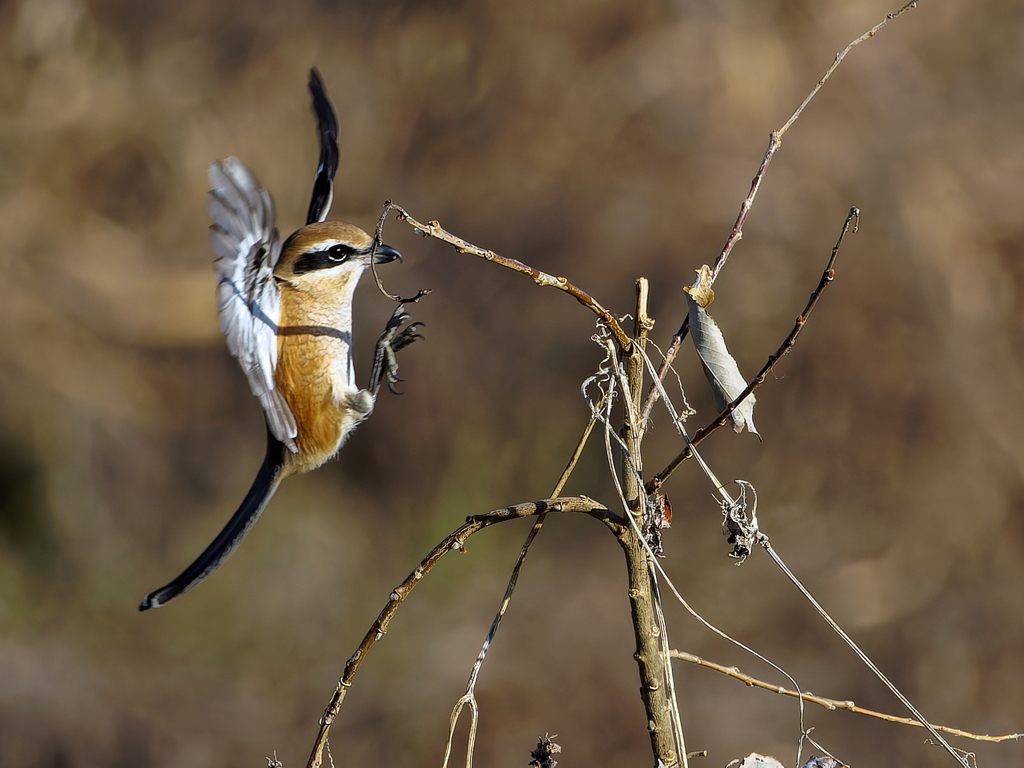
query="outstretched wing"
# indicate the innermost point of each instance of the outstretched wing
(248, 246)
(327, 127)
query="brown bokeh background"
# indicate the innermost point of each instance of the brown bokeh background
(598, 140)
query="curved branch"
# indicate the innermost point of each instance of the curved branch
(435, 230)
(456, 540)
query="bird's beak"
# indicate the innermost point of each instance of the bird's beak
(386, 253)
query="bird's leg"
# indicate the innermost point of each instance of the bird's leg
(394, 338)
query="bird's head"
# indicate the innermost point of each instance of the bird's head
(329, 254)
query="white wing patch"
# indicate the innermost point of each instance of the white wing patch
(248, 246)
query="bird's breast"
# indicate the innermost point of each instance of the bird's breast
(314, 374)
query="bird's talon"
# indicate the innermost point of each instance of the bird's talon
(394, 338)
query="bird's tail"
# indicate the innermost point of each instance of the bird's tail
(263, 487)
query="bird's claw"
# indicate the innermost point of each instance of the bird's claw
(394, 338)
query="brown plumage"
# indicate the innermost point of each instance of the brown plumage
(314, 371)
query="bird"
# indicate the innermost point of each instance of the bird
(286, 312)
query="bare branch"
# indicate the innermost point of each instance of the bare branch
(838, 60)
(656, 685)
(775, 141)
(663, 369)
(833, 704)
(649, 657)
(469, 697)
(435, 230)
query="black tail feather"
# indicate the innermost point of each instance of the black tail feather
(263, 487)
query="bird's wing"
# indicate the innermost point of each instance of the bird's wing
(248, 246)
(327, 127)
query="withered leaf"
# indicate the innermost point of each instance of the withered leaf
(719, 366)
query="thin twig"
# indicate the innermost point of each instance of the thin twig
(839, 58)
(378, 233)
(666, 364)
(775, 140)
(435, 230)
(833, 704)
(469, 697)
(860, 654)
(736, 234)
(453, 541)
(850, 225)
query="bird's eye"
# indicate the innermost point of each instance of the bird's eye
(340, 253)
(326, 258)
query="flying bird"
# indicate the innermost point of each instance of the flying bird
(286, 310)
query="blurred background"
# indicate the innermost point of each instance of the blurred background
(600, 140)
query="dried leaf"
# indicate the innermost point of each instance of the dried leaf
(701, 288)
(719, 366)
